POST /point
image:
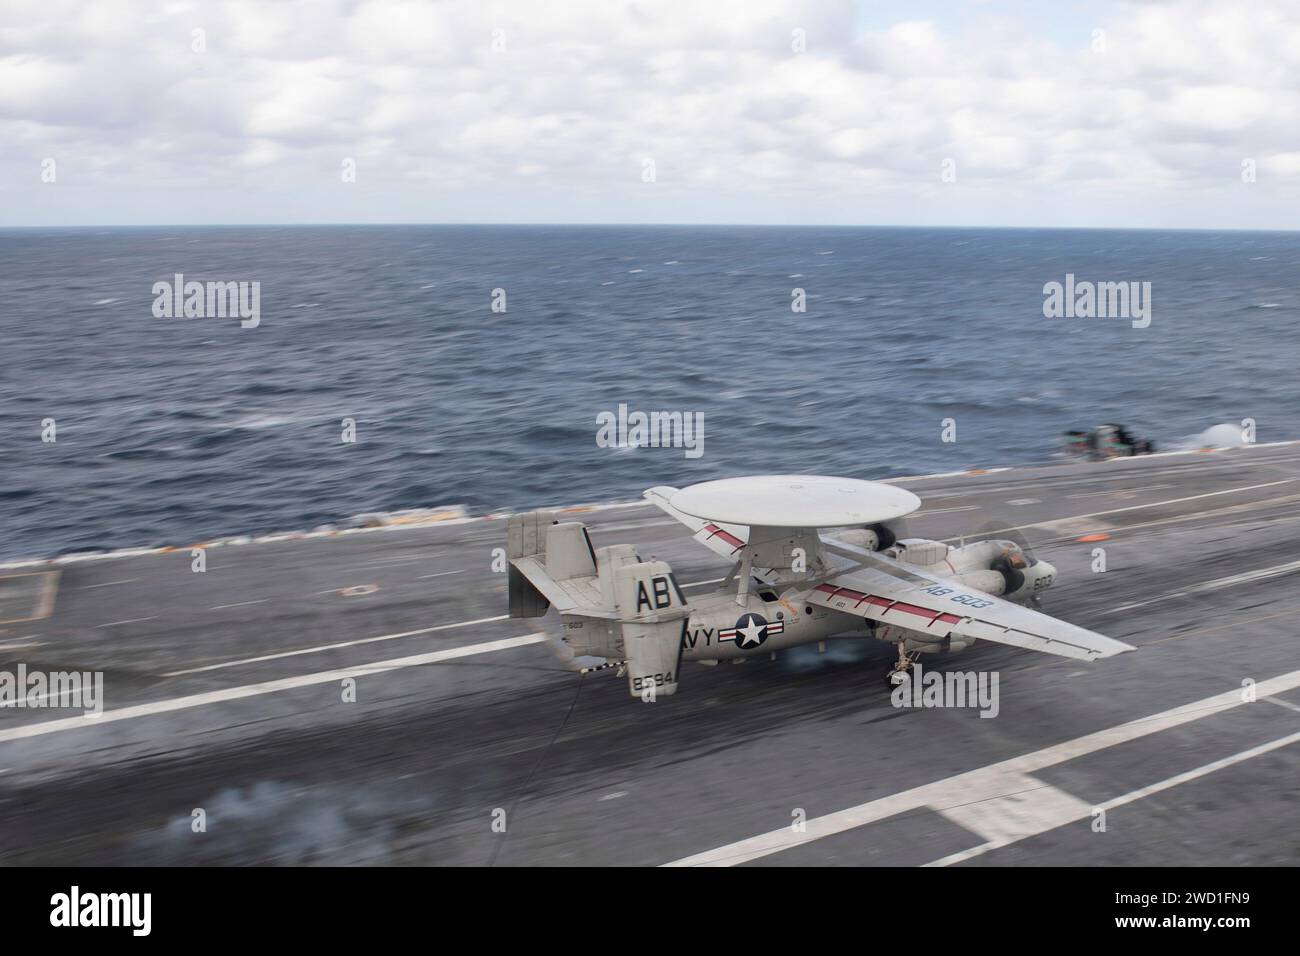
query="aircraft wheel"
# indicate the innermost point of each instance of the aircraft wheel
(904, 665)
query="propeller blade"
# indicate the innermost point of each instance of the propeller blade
(1002, 531)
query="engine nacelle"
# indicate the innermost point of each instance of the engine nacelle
(990, 582)
(922, 552)
(860, 538)
(876, 537)
(1022, 576)
(1037, 578)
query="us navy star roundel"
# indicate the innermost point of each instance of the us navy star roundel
(751, 631)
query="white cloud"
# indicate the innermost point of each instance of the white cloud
(554, 126)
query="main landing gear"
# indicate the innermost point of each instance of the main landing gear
(903, 667)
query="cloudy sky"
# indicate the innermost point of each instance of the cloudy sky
(747, 111)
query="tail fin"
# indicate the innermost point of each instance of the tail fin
(632, 609)
(526, 538)
(545, 555)
(653, 612)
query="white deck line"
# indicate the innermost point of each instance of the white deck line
(264, 687)
(997, 781)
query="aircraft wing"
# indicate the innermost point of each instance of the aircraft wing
(723, 539)
(881, 589)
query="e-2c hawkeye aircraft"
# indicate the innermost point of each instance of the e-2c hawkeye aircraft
(790, 584)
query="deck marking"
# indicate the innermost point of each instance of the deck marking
(222, 607)
(1078, 524)
(108, 584)
(1133, 795)
(1245, 577)
(264, 687)
(997, 780)
(441, 574)
(1213, 513)
(382, 564)
(364, 640)
(1060, 482)
(1156, 504)
(1118, 491)
(330, 647)
(1027, 806)
(134, 620)
(1283, 703)
(43, 605)
(48, 595)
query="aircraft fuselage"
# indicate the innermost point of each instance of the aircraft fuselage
(719, 627)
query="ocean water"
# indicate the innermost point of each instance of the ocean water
(170, 430)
